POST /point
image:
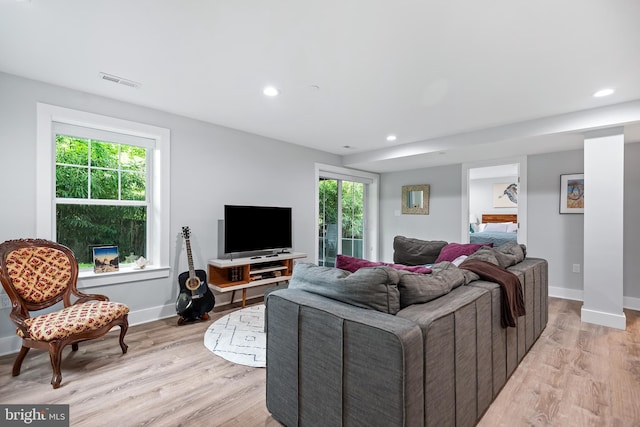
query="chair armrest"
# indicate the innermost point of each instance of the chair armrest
(82, 297)
(18, 318)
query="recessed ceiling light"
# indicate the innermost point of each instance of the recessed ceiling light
(391, 138)
(271, 91)
(603, 92)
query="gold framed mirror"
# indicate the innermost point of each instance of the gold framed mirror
(415, 199)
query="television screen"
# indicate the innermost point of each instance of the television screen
(256, 228)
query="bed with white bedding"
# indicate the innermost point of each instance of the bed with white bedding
(497, 229)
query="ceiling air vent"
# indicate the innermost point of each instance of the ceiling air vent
(119, 80)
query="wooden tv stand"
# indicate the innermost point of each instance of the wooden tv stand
(227, 275)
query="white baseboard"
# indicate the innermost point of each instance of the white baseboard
(631, 303)
(566, 293)
(147, 315)
(576, 294)
(9, 345)
(618, 321)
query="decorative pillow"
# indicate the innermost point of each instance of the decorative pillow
(420, 288)
(371, 287)
(496, 227)
(509, 254)
(485, 254)
(353, 264)
(454, 250)
(410, 251)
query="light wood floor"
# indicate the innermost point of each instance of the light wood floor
(577, 374)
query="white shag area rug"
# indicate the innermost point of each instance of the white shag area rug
(239, 337)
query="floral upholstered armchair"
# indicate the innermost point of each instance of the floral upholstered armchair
(37, 274)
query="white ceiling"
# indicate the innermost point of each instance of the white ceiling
(454, 80)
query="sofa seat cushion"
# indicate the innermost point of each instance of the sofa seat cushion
(87, 316)
(411, 251)
(371, 287)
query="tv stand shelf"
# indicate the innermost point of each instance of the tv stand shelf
(230, 275)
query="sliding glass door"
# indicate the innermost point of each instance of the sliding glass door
(341, 219)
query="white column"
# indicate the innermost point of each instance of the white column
(604, 228)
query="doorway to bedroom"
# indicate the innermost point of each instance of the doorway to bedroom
(494, 202)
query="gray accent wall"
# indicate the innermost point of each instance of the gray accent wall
(210, 166)
(551, 235)
(631, 221)
(445, 208)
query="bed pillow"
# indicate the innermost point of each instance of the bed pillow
(512, 227)
(496, 227)
(411, 251)
(372, 287)
(353, 264)
(455, 250)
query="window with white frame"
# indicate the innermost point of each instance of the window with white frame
(99, 184)
(101, 192)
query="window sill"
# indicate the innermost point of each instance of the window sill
(89, 279)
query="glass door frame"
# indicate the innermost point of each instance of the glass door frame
(371, 208)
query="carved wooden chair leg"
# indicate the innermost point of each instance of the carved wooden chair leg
(123, 330)
(18, 363)
(55, 354)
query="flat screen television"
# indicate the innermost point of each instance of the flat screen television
(256, 228)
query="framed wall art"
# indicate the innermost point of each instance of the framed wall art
(572, 193)
(505, 195)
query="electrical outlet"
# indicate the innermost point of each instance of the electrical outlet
(576, 268)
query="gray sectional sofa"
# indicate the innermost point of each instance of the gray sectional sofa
(346, 349)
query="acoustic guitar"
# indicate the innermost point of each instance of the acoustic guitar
(195, 299)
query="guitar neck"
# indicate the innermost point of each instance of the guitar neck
(192, 271)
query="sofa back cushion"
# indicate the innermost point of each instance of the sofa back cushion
(370, 287)
(411, 251)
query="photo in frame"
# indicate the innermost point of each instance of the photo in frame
(572, 193)
(105, 259)
(505, 195)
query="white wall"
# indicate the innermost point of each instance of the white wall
(211, 166)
